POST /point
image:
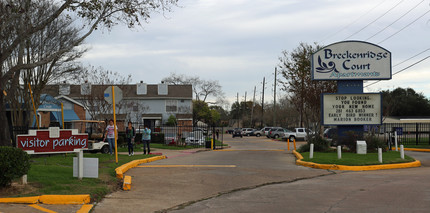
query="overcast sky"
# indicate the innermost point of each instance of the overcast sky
(238, 42)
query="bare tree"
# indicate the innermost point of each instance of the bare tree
(56, 35)
(17, 28)
(202, 89)
(94, 102)
(304, 93)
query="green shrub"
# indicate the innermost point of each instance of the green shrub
(14, 163)
(320, 144)
(373, 143)
(350, 140)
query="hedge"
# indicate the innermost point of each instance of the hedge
(14, 163)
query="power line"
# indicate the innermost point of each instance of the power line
(395, 20)
(401, 70)
(405, 27)
(353, 22)
(411, 57)
(375, 20)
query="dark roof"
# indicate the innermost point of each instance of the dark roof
(128, 91)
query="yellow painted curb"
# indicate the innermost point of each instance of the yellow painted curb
(85, 208)
(26, 200)
(299, 161)
(126, 186)
(125, 167)
(64, 199)
(50, 199)
(413, 149)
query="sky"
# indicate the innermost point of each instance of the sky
(239, 42)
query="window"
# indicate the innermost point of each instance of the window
(171, 105)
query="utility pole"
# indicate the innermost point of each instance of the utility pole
(244, 106)
(274, 101)
(252, 109)
(238, 108)
(262, 103)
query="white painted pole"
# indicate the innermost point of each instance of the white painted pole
(80, 164)
(311, 151)
(395, 140)
(380, 155)
(24, 180)
(339, 152)
(402, 152)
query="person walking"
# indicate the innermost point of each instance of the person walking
(110, 135)
(130, 134)
(146, 139)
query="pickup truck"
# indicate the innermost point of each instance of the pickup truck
(298, 133)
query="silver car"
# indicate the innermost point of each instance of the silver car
(277, 133)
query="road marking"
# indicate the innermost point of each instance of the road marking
(85, 208)
(41, 208)
(172, 166)
(252, 150)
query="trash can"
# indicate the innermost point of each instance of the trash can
(208, 144)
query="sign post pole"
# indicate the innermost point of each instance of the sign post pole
(80, 164)
(114, 124)
(62, 115)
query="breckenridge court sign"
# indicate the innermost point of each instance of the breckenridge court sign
(351, 60)
(349, 63)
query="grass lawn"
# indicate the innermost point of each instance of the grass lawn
(54, 175)
(352, 159)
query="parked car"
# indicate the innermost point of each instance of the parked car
(229, 131)
(247, 131)
(277, 132)
(267, 130)
(195, 138)
(298, 133)
(258, 133)
(237, 133)
(205, 131)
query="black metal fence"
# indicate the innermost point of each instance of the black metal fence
(196, 136)
(408, 133)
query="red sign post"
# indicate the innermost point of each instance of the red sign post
(52, 140)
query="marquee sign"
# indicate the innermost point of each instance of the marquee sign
(351, 60)
(52, 140)
(352, 109)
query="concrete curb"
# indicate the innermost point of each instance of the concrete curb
(125, 167)
(49, 199)
(299, 161)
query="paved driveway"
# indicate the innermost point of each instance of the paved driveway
(253, 163)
